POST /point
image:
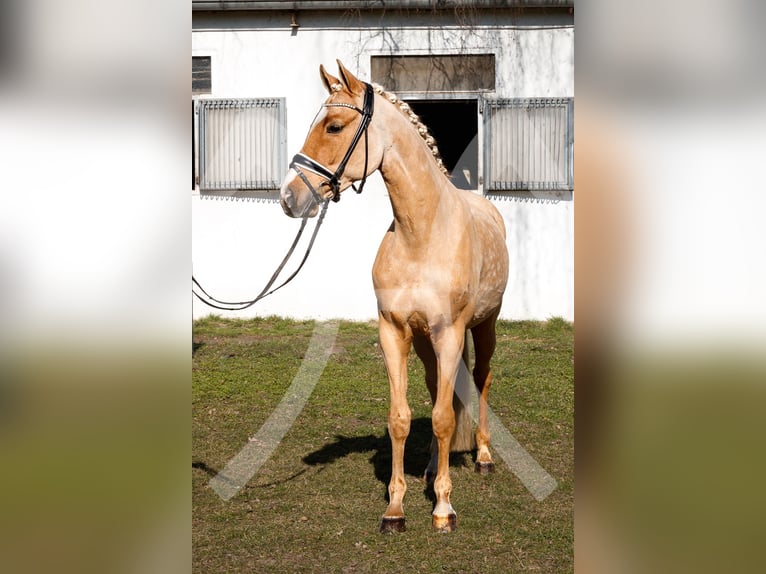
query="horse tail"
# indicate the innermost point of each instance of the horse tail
(463, 438)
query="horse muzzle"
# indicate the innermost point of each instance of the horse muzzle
(296, 200)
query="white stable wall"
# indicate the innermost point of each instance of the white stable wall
(237, 243)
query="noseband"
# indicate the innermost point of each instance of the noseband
(333, 179)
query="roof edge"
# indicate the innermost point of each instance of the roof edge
(251, 5)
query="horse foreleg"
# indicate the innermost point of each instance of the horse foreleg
(449, 350)
(395, 344)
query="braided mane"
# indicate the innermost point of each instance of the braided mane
(404, 107)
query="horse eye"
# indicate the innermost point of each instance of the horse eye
(334, 128)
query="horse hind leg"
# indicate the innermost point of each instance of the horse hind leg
(425, 352)
(484, 341)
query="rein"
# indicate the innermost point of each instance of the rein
(211, 301)
(333, 179)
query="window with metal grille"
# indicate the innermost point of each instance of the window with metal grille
(528, 144)
(242, 144)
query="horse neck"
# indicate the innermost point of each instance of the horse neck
(417, 188)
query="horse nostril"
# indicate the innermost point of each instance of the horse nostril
(285, 207)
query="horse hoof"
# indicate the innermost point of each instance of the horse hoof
(388, 525)
(485, 467)
(444, 523)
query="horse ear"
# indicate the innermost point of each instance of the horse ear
(354, 85)
(328, 79)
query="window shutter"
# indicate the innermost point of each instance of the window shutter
(528, 144)
(242, 144)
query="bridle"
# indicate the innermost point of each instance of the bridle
(301, 160)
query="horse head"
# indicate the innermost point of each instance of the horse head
(333, 156)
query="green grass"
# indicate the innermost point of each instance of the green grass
(315, 505)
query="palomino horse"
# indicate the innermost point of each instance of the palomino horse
(441, 268)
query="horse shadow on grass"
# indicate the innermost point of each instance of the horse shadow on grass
(417, 453)
(201, 465)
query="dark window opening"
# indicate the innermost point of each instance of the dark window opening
(454, 126)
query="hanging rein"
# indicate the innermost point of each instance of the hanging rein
(332, 180)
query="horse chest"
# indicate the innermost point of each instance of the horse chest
(429, 270)
(419, 293)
